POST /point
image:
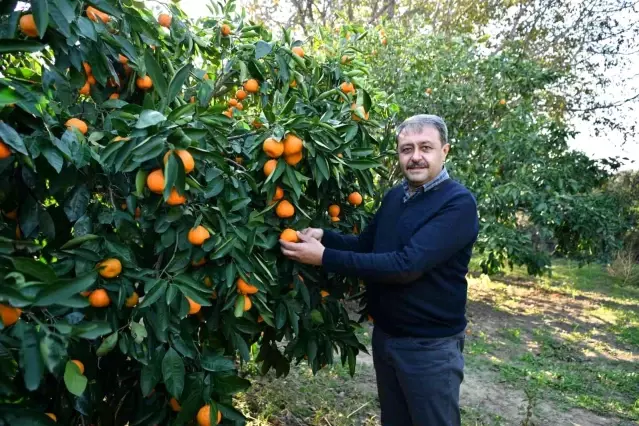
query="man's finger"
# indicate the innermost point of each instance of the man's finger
(304, 237)
(288, 245)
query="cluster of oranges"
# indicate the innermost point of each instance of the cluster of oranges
(246, 289)
(155, 180)
(290, 147)
(249, 86)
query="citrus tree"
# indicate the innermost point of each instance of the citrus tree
(148, 167)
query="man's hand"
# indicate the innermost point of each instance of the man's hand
(309, 250)
(316, 233)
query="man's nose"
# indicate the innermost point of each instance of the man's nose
(417, 156)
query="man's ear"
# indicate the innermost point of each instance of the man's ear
(446, 148)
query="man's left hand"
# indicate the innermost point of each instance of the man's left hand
(308, 250)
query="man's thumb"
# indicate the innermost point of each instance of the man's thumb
(302, 237)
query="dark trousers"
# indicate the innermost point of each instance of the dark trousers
(418, 379)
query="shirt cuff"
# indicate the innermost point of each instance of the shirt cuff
(331, 260)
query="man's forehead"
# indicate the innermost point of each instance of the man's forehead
(424, 135)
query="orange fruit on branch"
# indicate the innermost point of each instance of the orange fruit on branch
(335, 219)
(175, 199)
(298, 51)
(245, 288)
(95, 14)
(251, 86)
(175, 405)
(144, 83)
(114, 96)
(333, 210)
(355, 198)
(285, 209)
(293, 159)
(204, 416)
(198, 235)
(5, 152)
(78, 124)
(123, 59)
(347, 87)
(165, 20)
(99, 298)
(132, 300)
(232, 102)
(28, 26)
(9, 315)
(194, 307)
(289, 235)
(240, 95)
(225, 30)
(247, 303)
(110, 268)
(185, 156)
(52, 416)
(269, 166)
(292, 144)
(279, 194)
(155, 181)
(273, 148)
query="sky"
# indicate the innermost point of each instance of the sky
(607, 145)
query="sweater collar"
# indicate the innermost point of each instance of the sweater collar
(442, 176)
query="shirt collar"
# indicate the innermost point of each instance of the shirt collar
(442, 176)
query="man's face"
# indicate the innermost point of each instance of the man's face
(421, 155)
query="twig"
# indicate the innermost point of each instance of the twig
(235, 162)
(232, 138)
(358, 409)
(177, 235)
(326, 420)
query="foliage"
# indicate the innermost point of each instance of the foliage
(509, 140)
(71, 200)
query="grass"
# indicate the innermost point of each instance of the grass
(547, 345)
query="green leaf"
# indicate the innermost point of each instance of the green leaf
(30, 358)
(76, 205)
(154, 294)
(173, 373)
(53, 350)
(54, 157)
(155, 72)
(66, 9)
(86, 28)
(12, 138)
(63, 289)
(14, 46)
(316, 317)
(178, 81)
(362, 164)
(149, 377)
(138, 332)
(238, 310)
(171, 170)
(230, 384)
(32, 267)
(262, 49)
(140, 181)
(91, 330)
(79, 240)
(40, 10)
(75, 381)
(215, 362)
(180, 112)
(322, 165)
(107, 345)
(149, 118)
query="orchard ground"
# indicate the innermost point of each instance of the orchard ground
(540, 351)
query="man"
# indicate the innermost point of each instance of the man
(414, 258)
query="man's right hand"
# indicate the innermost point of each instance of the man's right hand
(316, 233)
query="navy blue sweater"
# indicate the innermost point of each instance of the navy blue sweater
(414, 258)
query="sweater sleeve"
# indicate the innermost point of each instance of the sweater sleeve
(455, 226)
(362, 243)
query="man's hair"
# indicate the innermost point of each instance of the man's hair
(418, 122)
